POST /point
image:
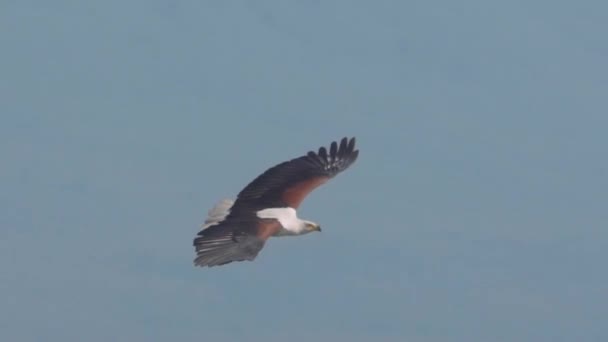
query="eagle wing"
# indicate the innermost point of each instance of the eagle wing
(232, 240)
(288, 183)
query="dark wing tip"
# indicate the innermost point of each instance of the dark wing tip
(322, 153)
(347, 146)
(343, 147)
(333, 149)
(351, 144)
(339, 158)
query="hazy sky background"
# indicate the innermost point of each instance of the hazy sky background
(477, 210)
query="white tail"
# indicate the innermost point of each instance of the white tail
(218, 213)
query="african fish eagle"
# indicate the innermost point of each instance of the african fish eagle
(237, 230)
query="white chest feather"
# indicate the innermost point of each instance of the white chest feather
(287, 217)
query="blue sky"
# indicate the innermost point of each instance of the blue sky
(476, 211)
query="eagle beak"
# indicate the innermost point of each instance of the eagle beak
(318, 228)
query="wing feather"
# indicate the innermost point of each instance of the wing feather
(288, 183)
(231, 240)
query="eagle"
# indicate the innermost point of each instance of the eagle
(237, 230)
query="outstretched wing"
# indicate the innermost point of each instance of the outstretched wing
(232, 240)
(288, 183)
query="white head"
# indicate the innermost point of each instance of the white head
(309, 226)
(292, 225)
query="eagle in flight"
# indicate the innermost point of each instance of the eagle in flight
(237, 230)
